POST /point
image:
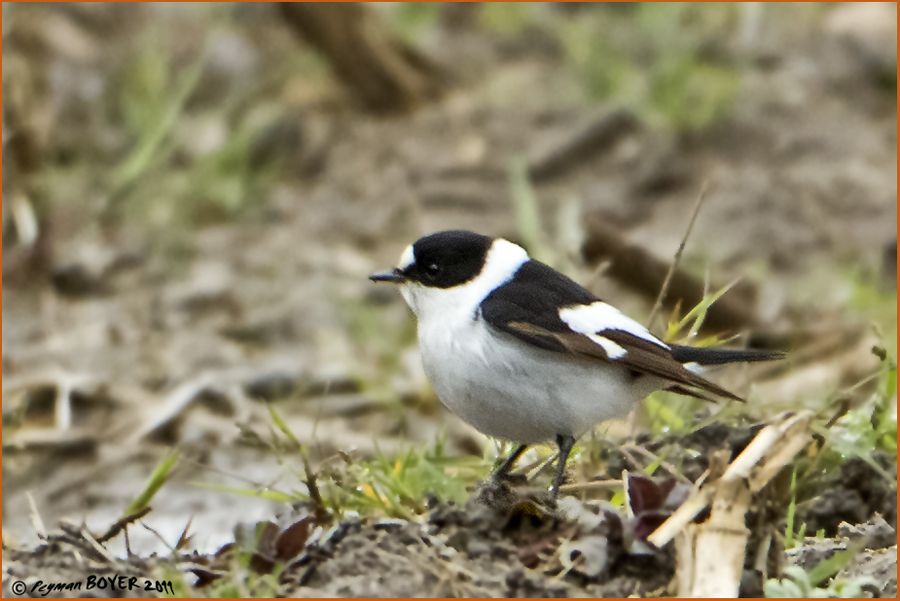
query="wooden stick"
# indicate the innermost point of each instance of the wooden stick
(770, 450)
(635, 267)
(710, 555)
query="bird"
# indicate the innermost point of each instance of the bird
(523, 353)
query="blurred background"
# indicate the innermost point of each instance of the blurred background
(195, 194)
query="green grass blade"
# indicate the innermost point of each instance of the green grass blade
(789, 540)
(148, 148)
(282, 426)
(693, 319)
(160, 475)
(268, 494)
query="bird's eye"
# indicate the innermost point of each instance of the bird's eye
(432, 270)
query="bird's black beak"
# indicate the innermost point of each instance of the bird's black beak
(395, 276)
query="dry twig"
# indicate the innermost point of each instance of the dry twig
(36, 521)
(591, 486)
(664, 290)
(122, 523)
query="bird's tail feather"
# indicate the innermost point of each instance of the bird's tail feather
(720, 356)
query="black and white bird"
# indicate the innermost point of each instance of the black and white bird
(523, 353)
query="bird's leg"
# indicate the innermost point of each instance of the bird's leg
(503, 471)
(564, 443)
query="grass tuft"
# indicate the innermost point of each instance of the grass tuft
(397, 486)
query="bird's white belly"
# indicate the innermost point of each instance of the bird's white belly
(508, 389)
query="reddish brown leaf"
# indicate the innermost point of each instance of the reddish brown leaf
(293, 539)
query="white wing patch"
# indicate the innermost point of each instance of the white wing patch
(596, 317)
(613, 350)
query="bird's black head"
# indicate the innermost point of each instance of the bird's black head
(441, 260)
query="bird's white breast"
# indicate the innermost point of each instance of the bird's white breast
(511, 390)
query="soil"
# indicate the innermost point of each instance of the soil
(852, 495)
(503, 542)
(468, 551)
(121, 341)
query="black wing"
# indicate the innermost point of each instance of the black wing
(527, 307)
(534, 296)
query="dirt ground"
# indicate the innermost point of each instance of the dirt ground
(497, 544)
(120, 343)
